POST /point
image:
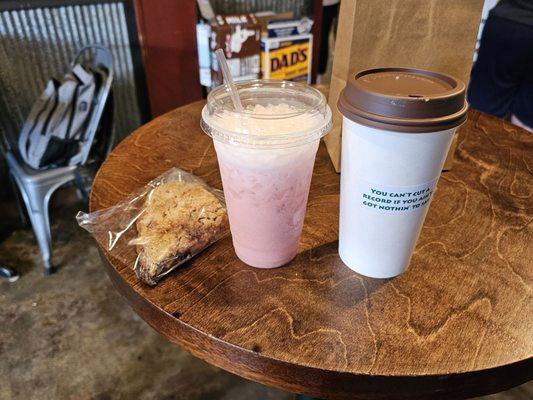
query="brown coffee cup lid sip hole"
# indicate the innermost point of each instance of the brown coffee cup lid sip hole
(404, 100)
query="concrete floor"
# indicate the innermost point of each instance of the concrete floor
(71, 336)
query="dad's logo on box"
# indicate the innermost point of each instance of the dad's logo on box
(286, 50)
(290, 62)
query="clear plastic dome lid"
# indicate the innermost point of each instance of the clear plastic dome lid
(276, 114)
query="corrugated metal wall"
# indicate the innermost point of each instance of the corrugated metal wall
(36, 44)
(300, 8)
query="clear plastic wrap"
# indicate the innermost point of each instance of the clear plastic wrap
(161, 226)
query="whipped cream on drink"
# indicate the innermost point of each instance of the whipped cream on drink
(291, 119)
(266, 188)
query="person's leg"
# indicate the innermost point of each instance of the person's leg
(500, 68)
(328, 16)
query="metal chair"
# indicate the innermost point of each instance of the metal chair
(37, 186)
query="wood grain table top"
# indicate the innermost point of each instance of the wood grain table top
(458, 323)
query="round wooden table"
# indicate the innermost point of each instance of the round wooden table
(457, 324)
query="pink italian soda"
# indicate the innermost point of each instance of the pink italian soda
(266, 156)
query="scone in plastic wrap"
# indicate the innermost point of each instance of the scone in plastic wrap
(173, 218)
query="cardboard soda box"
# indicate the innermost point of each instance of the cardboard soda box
(240, 38)
(286, 50)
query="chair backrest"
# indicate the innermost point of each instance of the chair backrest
(96, 57)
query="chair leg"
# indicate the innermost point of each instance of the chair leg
(18, 200)
(40, 222)
(36, 199)
(80, 184)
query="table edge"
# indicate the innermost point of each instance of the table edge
(298, 378)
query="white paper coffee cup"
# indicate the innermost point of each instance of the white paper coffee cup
(397, 128)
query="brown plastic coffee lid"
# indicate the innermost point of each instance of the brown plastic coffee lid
(404, 100)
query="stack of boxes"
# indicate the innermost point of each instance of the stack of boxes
(256, 46)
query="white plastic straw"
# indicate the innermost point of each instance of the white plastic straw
(229, 80)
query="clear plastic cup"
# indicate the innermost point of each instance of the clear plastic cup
(266, 155)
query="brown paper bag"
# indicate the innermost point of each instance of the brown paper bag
(429, 34)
